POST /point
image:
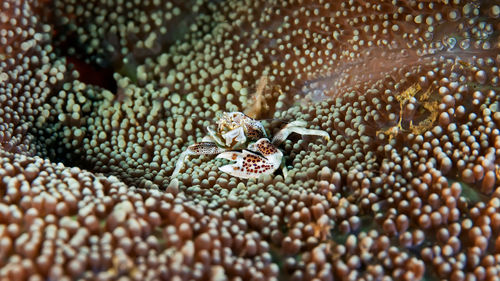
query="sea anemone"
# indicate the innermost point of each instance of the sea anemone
(99, 99)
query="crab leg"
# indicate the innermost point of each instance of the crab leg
(297, 127)
(201, 148)
(283, 168)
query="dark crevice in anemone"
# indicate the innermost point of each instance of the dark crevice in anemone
(48, 145)
(94, 74)
(93, 69)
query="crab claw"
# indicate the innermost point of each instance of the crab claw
(201, 148)
(264, 159)
(298, 128)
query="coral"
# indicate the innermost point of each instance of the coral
(99, 98)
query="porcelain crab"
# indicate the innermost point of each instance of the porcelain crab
(244, 140)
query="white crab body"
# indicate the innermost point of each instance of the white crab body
(235, 130)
